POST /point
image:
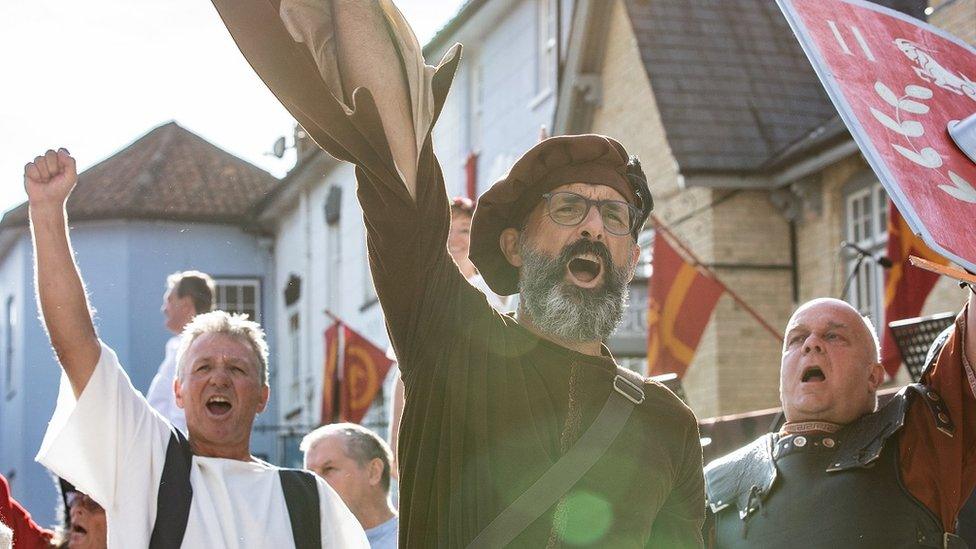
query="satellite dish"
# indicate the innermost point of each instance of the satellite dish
(278, 149)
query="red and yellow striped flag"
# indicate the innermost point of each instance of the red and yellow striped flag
(330, 377)
(364, 367)
(680, 303)
(354, 374)
(906, 287)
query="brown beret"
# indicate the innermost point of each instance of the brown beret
(561, 160)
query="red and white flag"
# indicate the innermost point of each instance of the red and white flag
(898, 83)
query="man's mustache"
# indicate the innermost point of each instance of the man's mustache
(584, 246)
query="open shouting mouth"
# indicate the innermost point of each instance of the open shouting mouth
(78, 534)
(218, 406)
(585, 270)
(813, 374)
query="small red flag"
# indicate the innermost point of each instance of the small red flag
(906, 287)
(330, 378)
(680, 304)
(364, 367)
(471, 175)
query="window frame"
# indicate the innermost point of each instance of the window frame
(240, 282)
(545, 43)
(870, 232)
(294, 345)
(9, 327)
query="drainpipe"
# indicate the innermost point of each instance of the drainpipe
(306, 317)
(795, 268)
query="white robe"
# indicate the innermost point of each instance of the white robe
(111, 445)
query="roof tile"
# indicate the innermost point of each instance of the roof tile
(732, 84)
(170, 173)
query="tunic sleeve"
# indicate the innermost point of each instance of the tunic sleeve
(939, 470)
(292, 47)
(680, 521)
(109, 443)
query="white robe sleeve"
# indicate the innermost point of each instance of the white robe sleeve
(109, 442)
(339, 526)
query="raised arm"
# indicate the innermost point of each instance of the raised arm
(353, 74)
(48, 181)
(368, 58)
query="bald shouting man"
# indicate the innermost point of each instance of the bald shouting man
(841, 472)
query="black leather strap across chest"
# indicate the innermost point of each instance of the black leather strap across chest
(176, 496)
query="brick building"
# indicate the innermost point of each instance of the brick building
(748, 162)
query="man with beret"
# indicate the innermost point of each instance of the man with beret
(492, 401)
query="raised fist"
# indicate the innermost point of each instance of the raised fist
(50, 178)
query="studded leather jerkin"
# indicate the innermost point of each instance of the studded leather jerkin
(824, 490)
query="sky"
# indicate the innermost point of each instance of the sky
(95, 76)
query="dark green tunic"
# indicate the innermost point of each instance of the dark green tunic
(488, 404)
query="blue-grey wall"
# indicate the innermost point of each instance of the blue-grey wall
(124, 265)
(500, 43)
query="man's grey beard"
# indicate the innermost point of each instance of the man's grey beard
(564, 310)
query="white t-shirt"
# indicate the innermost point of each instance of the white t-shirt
(160, 394)
(112, 445)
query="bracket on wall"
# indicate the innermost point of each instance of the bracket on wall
(590, 88)
(801, 199)
(333, 205)
(293, 289)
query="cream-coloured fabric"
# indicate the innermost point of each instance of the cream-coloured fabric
(311, 22)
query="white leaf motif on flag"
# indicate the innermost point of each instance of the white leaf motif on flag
(927, 157)
(962, 190)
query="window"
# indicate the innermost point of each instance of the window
(476, 106)
(9, 328)
(289, 454)
(546, 46)
(239, 295)
(295, 355)
(333, 282)
(377, 417)
(866, 224)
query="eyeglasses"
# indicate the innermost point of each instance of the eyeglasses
(78, 498)
(570, 209)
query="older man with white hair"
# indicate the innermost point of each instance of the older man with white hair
(160, 489)
(357, 463)
(841, 472)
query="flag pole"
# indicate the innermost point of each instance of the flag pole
(659, 225)
(334, 318)
(340, 365)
